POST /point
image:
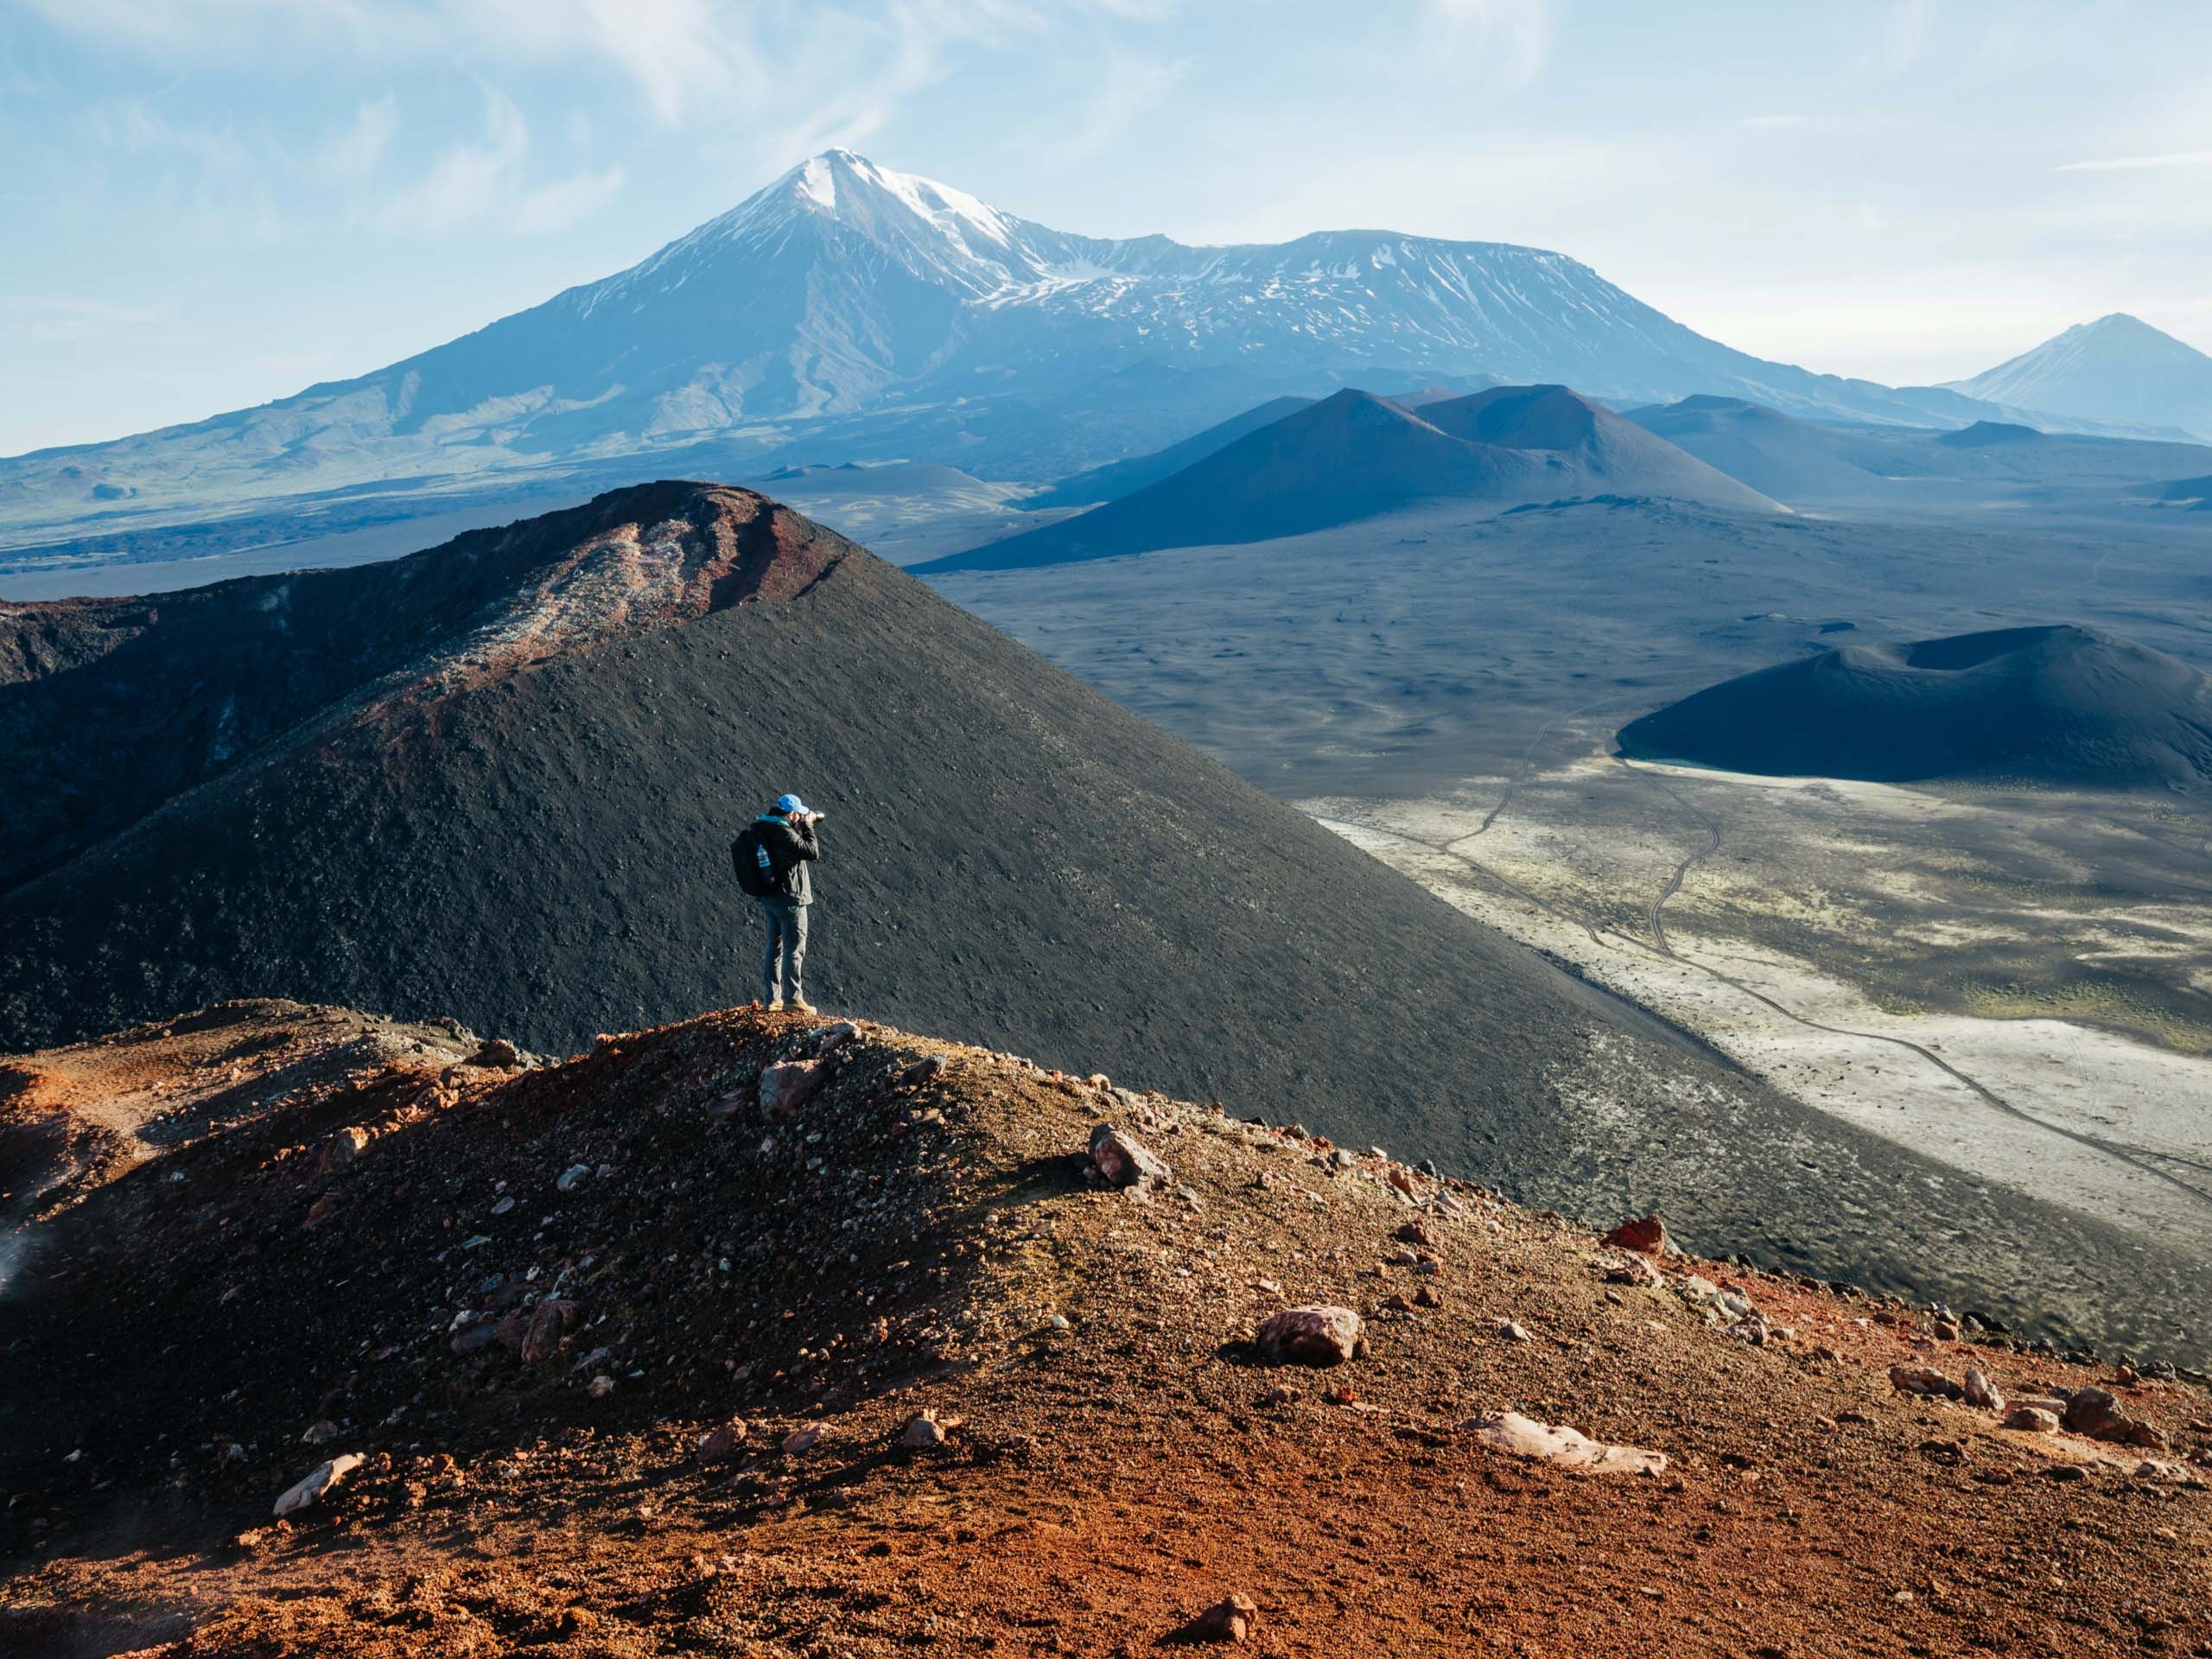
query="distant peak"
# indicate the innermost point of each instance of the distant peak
(848, 187)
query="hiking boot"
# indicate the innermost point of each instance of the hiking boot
(774, 1005)
(799, 1007)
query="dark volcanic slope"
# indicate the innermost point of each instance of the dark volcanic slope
(1354, 455)
(1608, 455)
(1122, 477)
(526, 826)
(1798, 461)
(2057, 705)
(1349, 456)
(1788, 458)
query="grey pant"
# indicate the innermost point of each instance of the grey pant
(787, 950)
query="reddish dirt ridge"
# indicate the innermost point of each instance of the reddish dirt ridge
(765, 1335)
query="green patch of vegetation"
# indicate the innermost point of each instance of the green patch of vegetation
(2091, 1002)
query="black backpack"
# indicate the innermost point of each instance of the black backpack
(755, 864)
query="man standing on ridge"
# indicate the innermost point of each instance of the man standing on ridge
(772, 856)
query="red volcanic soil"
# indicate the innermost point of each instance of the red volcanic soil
(429, 1259)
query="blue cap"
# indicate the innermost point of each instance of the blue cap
(788, 804)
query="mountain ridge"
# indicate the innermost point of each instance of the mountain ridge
(1355, 455)
(851, 305)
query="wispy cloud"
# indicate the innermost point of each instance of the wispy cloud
(1897, 46)
(2140, 163)
(1129, 87)
(545, 208)
(1507, 41)
(357, 149)
(465, 182)
(486, 180)
(57, 321)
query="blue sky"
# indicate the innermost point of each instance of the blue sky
(211, 203)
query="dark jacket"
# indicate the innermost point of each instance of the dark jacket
(792, 846)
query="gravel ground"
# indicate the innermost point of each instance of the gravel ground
(1116, 1457)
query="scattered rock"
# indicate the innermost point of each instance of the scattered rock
(1524, 1437)
(497, 1054)
(1311, 1336)
(311, 1490)
(1231, 1619)
(789, 1084)
(1633, 1270)
(1924, 1380)
(2166, 1469)
(1981, 1392)
(341, 1146)
(549, 1322)
(1123, 1160)
(1647, 1234)
(573, 1177)
(1421, 1234)
(2034, 1419)
(1513, 1331)
(320, 1434)
(926, 1430)
(600, 1387)
(1281, 1395)
(800, 1440)
(2066, 1471)
(922, 1070)
(2096, 1412)
(722, 1441)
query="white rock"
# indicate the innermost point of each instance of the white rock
(311, 1490)
(1524, 1437)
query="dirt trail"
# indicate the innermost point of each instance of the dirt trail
(2143, 1158)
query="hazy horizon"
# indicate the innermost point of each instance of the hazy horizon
(219, 202)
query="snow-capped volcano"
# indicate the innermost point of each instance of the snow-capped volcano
(2118, 368)
(854, 309)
